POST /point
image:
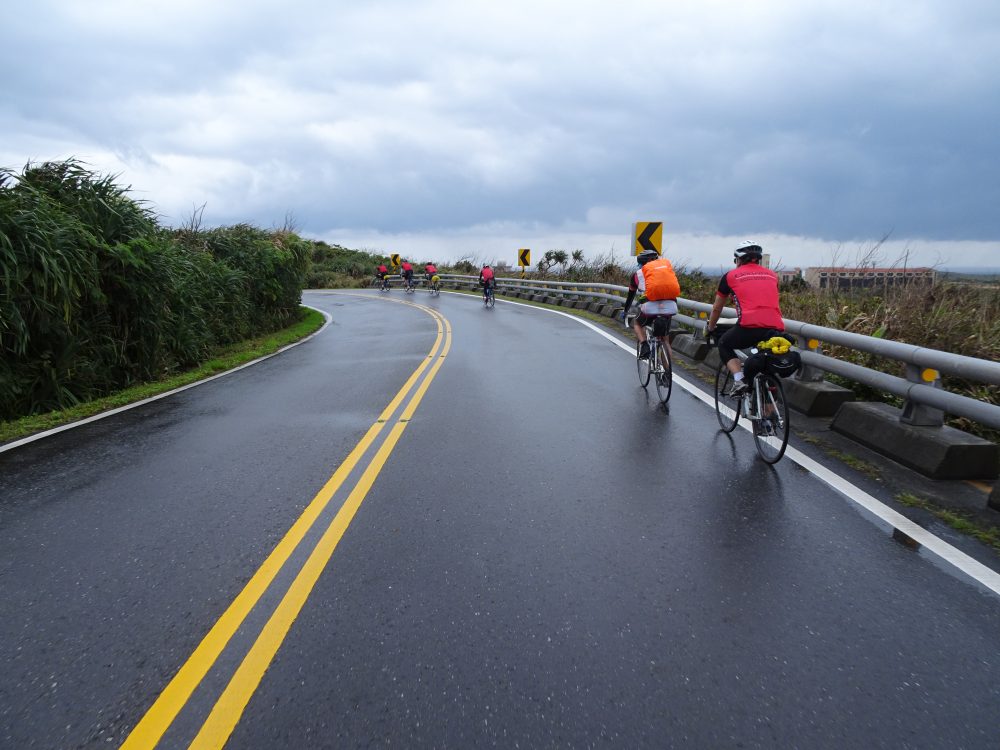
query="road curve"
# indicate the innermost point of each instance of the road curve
(536, 555)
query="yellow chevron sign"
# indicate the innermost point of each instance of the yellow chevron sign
(647, 235)
(395, 259)
(524, 257)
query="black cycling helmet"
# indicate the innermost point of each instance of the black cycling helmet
(645, 256)
(748, 249)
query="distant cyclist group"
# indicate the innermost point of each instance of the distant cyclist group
(487, 279)
(406, 272)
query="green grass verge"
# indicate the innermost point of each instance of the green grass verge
(960, 522)
(225, 359)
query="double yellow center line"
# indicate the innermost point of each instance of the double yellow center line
(234, 698)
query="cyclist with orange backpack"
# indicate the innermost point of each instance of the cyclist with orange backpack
(657, 285)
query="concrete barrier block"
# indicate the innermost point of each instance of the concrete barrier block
(566, 302)
(935, 452)
(690, 346)
(596, 307)
(581, 304)
(816, 398)
(712, 359)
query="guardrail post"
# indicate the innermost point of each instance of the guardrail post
(921, 415)
(807, 373)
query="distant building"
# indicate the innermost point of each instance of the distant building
(788, 274)
(853, 278)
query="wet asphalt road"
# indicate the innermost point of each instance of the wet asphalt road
(545, 560)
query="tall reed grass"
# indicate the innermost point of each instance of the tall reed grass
(96, 296)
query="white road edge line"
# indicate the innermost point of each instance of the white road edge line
(103, 414)
(955, 557)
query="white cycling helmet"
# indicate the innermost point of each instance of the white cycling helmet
(748, 249)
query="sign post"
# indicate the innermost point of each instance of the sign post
(523, 259)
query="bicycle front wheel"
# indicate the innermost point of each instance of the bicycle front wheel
(664, 374)
(727, 408)
(770, 432)
(643, 366)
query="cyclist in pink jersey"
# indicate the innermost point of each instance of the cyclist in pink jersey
(486, 277)
(755, 292)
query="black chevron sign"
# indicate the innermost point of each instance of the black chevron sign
(648, 236)
(524, 257)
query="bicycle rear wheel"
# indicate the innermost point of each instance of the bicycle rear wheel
(642, 365)
(490, 299)
(770, 432)
(665, 373)
(727, 408)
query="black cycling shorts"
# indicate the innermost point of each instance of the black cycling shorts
(660, 323)
(738, 337)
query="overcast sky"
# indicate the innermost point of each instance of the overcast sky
(442, 129)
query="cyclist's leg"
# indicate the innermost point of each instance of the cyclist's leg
(728, 344)
(639, 324)
(664, 337)
(639, 328)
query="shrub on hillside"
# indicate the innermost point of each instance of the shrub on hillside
(333, 266)
(94, 296)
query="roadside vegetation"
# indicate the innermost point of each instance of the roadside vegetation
(96, 297)
(226, 358)
(336, 267)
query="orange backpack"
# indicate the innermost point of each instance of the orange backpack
(661, 281)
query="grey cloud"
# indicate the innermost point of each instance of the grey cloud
(832, 124)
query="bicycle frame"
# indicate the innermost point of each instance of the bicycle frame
(763, 405)
(660, 365)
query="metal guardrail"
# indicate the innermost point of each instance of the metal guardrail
(926, 402)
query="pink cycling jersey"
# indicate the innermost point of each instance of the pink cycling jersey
(755, 291)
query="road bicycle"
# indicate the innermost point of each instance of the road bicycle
(763, 404)
(659, 366)
(383, 284)
(489, 300)
(433, 286)
(408, 286)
